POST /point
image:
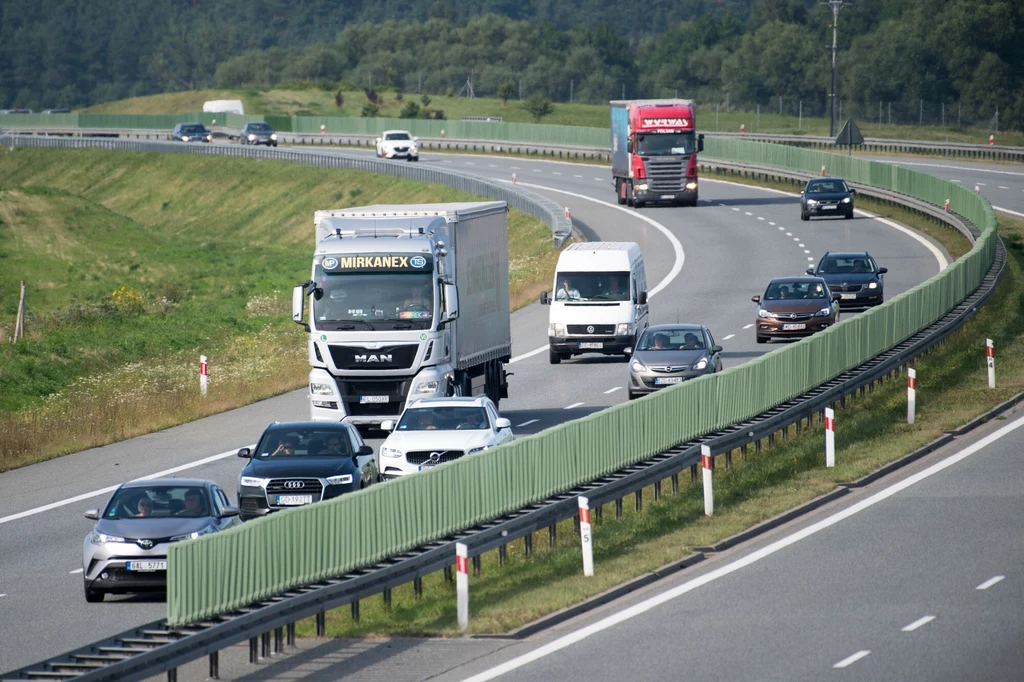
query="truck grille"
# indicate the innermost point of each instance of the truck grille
(419, 457)
(666, 175)
(388, 357)
(585, 329)
(395, 389)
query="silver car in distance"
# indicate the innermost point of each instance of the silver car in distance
(668, 354)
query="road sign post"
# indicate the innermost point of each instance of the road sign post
(586, 537)
(830, 437)
(707, 463)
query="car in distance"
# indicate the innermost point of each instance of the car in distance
(668, 354)
(854, 275)
(191, 132)
(792, 307)
(826, 197)
(299, 463)
(398, 144)
(61, 110)
(258, 132)
(127, 550)
(433, 431)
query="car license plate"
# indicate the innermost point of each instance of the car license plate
(146, 566)
(829, 208)
(661, 381)
(668, 196)
(364, 399)
(591, 345)
(427, 465)
(847, 297)
(794, 327)
(293, 500)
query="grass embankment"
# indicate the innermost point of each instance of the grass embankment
(871, 430)
(315, 102)
(136, 264)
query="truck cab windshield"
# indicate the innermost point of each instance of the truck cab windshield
(659, 144)
(592, 287)
(374, 300)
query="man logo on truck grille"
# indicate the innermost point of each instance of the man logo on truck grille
(417, 261)
(374, 357)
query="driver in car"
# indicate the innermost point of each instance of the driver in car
(417, 302)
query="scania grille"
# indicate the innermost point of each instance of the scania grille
(419, 457)
(584, 329)
(666, 175)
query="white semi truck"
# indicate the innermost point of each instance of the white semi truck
(405, 302)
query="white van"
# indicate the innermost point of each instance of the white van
(599, 304)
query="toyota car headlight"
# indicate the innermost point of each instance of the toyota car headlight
(184, 138)
(253, 482)
(103, 538)
(624, 329)
(273, 136)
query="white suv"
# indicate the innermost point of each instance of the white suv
(398, 144)
(433, 431)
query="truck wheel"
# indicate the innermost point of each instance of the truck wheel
(492, 384)
(620, 192)
(629, 194)
(553, 357)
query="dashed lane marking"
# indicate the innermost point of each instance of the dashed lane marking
(527, 423)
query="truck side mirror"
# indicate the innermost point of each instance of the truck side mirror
(298, 300)
(544, 300)
(451, 297)
(700, 143)
(643, 298)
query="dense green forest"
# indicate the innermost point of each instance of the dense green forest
(908, 60)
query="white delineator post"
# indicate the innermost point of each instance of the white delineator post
(707, 463)
(462, 583)
(586, 537)
(513, 178)
(203, 378)
(830, 437)
(911, 394)
(990, 359)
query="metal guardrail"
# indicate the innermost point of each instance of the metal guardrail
(154, 648)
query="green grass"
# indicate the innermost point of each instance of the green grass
(135, 264)
(314, 102)
(871, 431)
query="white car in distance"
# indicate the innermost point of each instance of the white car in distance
(398, 144)
(433, 431)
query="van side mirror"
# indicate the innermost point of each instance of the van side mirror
(245, 452)
(298, 301)
(643, 298)
(700, 143)
(544, 300)
(755, 299)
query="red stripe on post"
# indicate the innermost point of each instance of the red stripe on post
(462, 564)
(707, 461)
(584, 515)
(990, 351)
(911, 383)
(830, 424)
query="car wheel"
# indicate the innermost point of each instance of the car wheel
(553, 357)
(760, 339)
(93, 596)
(275, 145)
(849, 216)
(633, 396)
(804, 216)
(415, 158)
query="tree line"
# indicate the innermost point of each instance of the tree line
(967, 53)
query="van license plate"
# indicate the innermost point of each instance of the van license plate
(591, 345)
(364, 399)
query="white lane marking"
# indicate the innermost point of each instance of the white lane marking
(612, 390)
(800, 245)
(771, 223)
(850, 660)
(555, 173)
(781, 229)
(77, 570)
(1002, 187)
(677, 266)
(637, 609)
(569, 407)
(789, 234)
(748, 326)
(980, 184)
(112, 488)
(446, 161)
(527, 423)
(965, 168)
(805, 250)
(760, 218)
(954, 180)
(1006, 210)
(990, 582)
(537, 170)
(810, 259)
(599, 179)
(735, 209)
(748, 213)
(3, 595)
(577, 176)
(469, 163)
(726, 338)
(796, 239)
(918, 623)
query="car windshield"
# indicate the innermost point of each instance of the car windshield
(305, 442)
(781, 291)
(193, 129)
(397, 136)
(655, 144)
(374, 300)
(443, 418)
(672, 339)
(825, 186)
(158, 501)
(592, 286)
(259, 128)
(846, 265)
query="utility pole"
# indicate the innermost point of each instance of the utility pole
(835, 5)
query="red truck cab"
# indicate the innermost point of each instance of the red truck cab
(654, 151)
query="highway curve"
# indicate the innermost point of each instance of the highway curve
(731, 244)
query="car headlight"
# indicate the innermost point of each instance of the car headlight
(556, 329)
(624, 329)
(824, 312)
(103, 538)
(343, 479)
(642, 187)
(761, 312)
(414, 149)
(873, 285)
(320, 389)
(184, 138)
(637, 366)
(273, 136)
(192, 536)
(847, 200)
(479, 449)
(251, 137)
(812, 202)
(702, 364)
(427, 386)
(252, 482)
(390, 452)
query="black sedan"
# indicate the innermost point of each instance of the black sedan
(258, 132)
(826, 197)
(854, 276)
(298, 463)
(191, 132)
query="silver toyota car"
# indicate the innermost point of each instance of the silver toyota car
(127, 550)
(668, 354)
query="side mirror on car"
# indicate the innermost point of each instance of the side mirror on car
(755, 299)
(544, 300)
(809, 271)
(882, 271)
(801, 192)
(387, 425)
(228, 512)
(245, 452)
(643, 298)
(853, 191)
(716, 349)
(502, 423)
(93, 514)
(364, 450)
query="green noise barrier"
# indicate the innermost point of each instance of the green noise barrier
(221, 572)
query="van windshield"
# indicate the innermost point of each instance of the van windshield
(592, 286)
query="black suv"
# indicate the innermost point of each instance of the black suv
(853, 275)
(299, 463)
(191, 132)
(258, 132)
(826, 197)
